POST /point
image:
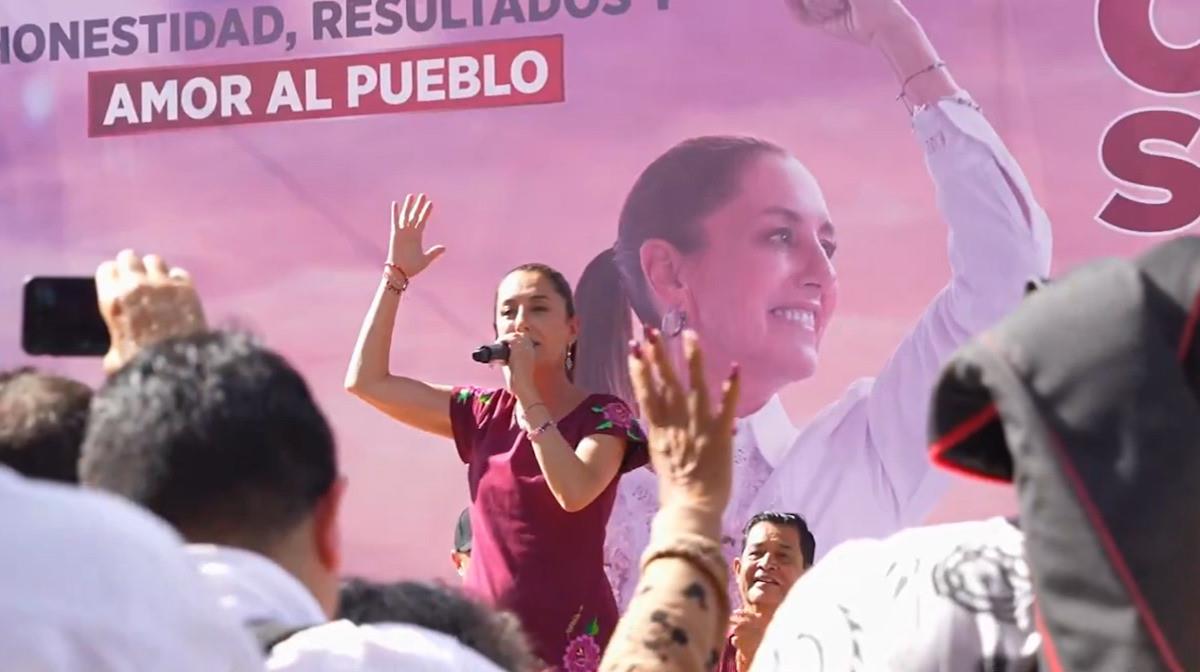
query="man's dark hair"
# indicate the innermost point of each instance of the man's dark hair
(214, 433)
(496, 635)
(42, 421)
(808, 543)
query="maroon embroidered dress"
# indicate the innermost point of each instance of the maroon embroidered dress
(528, 554)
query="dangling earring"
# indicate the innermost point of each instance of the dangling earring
(673, 322)
(570, 362)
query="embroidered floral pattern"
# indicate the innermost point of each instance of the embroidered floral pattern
(583, 653)
(464, 396)
(618, 415)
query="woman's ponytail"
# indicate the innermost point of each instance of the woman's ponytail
(606, 327)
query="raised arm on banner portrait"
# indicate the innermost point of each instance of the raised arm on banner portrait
(999, 238)
(369, 377)
(887, 25)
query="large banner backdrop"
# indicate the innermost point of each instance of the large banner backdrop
(259, 145)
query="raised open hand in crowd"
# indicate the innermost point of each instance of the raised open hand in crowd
(747, 626)
(143, 301)
(677, 619)
(691, 443)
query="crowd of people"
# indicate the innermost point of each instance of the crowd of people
(643, 503)
(204, 535)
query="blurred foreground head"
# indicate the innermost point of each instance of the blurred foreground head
(221, 438)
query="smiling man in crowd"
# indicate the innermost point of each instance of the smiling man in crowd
(777, 548)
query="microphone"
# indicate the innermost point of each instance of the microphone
(496, 352)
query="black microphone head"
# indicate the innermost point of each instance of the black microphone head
(491, 353)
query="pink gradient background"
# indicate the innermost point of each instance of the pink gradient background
(284, 225)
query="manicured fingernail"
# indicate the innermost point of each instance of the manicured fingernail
(735, 371)
(651, 334)
(635, 349)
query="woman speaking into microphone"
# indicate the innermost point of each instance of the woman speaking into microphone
(543, 454)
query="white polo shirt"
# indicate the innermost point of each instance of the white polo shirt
(91, 583)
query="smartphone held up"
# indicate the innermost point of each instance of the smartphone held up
(61, 317)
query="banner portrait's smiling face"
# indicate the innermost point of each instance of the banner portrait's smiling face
(763, 285)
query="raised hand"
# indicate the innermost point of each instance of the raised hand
(408, 226)
(747, 628)
(143, 301)
(691, 446)
(857, 20)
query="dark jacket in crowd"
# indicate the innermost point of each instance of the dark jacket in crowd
(1086, 399)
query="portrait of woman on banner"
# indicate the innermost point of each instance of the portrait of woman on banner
(732, 237)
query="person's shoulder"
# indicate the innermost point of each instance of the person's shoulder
(854, 565)
(931, 540)
(481, 396)
(604, 399)
(374, 647)
(94, 559)
(610, 413)
(86, 517)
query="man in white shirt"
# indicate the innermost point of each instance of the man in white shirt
(221, 438)
(89, 583)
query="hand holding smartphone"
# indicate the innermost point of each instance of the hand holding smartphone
(132, 302)
(61, 317)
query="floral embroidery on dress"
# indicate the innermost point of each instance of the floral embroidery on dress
(464, 396)
(583, 653)
(618, 415)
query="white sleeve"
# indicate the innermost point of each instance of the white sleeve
(999, 238)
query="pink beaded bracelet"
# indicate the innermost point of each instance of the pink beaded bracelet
(540, 429)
